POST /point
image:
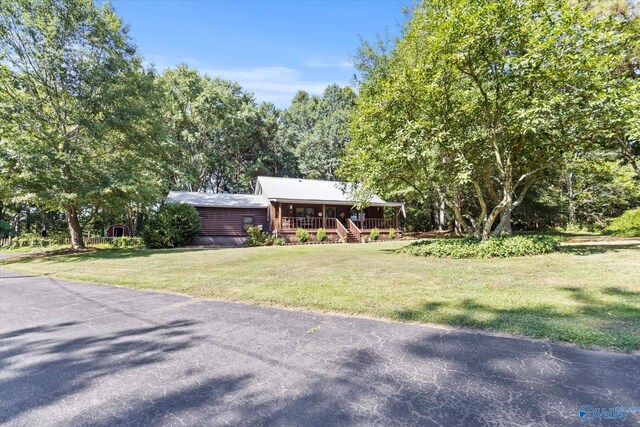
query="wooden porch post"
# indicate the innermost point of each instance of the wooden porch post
(280, 215)
(395, 219)
(361, 222)
(324, 217)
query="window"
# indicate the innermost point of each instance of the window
(247, 221)
(331, 212)
(305, 212)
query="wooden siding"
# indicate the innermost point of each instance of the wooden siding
(228, 221)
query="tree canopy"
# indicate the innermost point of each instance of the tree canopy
(77, 108)
(477, 100)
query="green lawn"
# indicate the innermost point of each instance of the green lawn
(587, 294)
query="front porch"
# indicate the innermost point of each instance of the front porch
(339, 221)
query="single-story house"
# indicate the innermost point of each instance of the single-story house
(282, 205)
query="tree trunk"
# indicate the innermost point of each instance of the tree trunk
(504, 226)
(75, 230)
(571, 196)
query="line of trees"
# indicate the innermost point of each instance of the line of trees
(89, 132)
(480, 115)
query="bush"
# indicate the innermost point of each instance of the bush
(627, 224)
(302, 235)
(174, 224)
(321, 235)
(375, 234)
(392, 234)
(126, 242)
(257, 237)
(498, 247)
(280, 241)
(5, 229)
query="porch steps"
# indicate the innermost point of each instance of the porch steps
(351, 238)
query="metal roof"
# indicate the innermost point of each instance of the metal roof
(218, 200)
(309, 190)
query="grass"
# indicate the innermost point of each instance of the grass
(586, 294)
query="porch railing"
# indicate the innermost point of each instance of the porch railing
(383, 223)
(354, 229)
(342, 231)
(293, 223)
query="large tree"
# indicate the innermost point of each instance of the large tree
(219, 137)
(76, 108)
(476, 100)
(316, 129)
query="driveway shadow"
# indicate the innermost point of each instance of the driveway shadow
(40, 371)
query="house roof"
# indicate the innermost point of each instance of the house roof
(309, 190)
(218, 200)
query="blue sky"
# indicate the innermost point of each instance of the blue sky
(272, 48)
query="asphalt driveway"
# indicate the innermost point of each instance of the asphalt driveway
(81, 354)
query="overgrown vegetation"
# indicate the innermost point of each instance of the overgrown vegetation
(392, 234)
(257, 237)
(627, 224)
(174, 224)
(126, 242)
(375, 234)
(495, 247)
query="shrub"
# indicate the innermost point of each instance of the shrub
(627, 224)
(174, 224)
(392, 234)
(5, 229)
(257, 237)
(321, 235)
(302, 235)
(126, 242)
(499, 247)
(375, 234)
(280, 241)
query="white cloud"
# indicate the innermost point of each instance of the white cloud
(275, 84)
(316, 63)
(271, 84)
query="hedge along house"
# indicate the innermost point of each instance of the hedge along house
(282, 205)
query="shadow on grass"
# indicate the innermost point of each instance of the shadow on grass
(609, 317)
(582, 250)
(101, 254)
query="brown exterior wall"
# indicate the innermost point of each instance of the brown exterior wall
(228, 221)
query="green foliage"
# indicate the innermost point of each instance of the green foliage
(280, 241)
(257, 237)
(78, 110)
(498, 247)
(316, 129)
(375, 234)
(219, 138)
(5, 229)
(476, 101)
(302, 235)
(627, 224)
(174, 224)
(126, 242)
(392, 234)
(321, 235)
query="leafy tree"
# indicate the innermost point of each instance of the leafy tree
(476, 101)
(220, 139)
(76, 109)
(317, 130)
